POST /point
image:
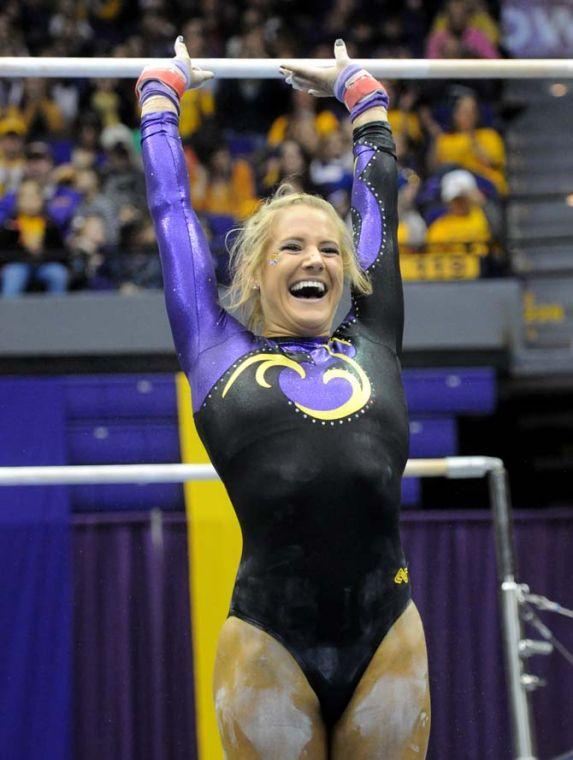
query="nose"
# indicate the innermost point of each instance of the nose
(313, 259)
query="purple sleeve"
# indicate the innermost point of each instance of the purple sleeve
(197, 320)
(375, 224)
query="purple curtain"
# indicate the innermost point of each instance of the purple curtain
(133, 667)
(452, 561)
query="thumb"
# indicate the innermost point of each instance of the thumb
(340, 52)
(181, 48)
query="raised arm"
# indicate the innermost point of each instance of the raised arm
(197, 320)
(374, 192)
(375, 224)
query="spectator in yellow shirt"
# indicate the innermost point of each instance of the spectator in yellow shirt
(464, 228)
(38, 109)
(224, 185)
(198, 105)
(12, 154)
(478, 149)
(303, 110)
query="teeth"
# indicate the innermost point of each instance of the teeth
(308, 284)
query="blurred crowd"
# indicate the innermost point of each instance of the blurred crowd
(72, 194)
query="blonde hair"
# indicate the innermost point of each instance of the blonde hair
(248, 249)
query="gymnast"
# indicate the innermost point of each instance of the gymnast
(323, 653)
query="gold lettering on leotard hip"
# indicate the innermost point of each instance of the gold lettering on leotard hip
(401, 576)
(357, 378)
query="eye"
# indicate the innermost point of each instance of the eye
(295, 247)
(331, 250)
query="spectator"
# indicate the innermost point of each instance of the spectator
(464, 228)
(91, 257)
(479, 18)
(106, 102)
(412, 227)
(198, 105)
(250, 105)
(138, 264)
(291, 164)
(469, 146)
(303, 108)
(12, 155)
(330, 172)
(403, 116)
(225, 185)
(34, 243)
(61, 200)
(87, 149)
(457, 37)
(123, 181)
(38, 109)
(94, 203)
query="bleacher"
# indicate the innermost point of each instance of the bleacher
(540, 172)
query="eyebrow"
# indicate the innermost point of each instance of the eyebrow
(301, 240)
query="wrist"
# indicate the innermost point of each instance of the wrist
(360, 91)
(156, 103)
(165, 81)
(375, 113)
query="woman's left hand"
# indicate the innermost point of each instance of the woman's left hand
(317, 80)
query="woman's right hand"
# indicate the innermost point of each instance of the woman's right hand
(160, 86)
(196, 76)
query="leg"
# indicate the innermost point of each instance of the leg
(55, 276)
(266, 709)
(389, 714)
(15, 277)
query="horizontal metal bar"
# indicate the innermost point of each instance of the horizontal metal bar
(108, 473)
(464, 467)
(268, 68)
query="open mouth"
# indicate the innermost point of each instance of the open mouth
(308, 290)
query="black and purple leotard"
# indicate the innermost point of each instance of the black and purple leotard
(309, 435)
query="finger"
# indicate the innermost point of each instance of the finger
(340, 52)
(181, 48)
(312, 74)
(296, 81)
(202, 76)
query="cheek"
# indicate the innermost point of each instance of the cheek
(272, 279)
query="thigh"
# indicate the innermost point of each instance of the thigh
(265, 706)
(389, 713)
(54, 275)
(15, 277)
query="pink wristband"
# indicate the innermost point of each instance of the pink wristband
(360, 88)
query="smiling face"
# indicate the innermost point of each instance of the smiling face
(302, 274)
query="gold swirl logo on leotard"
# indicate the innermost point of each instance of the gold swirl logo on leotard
(355, 396)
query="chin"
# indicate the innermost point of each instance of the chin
(314, 325)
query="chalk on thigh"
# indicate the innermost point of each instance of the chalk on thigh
(265, 707)
(389, 713)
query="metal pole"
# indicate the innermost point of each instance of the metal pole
(268, 68)
(466, 467)
(519, 703)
